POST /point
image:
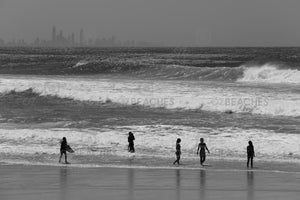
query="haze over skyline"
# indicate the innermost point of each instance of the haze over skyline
(171, 22)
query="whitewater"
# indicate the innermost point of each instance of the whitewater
(175, 94)
(228, 96)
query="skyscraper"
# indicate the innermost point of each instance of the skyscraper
(81, 37)
(73, 39)
(53, 34)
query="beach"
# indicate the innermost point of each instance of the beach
(94, 97)
(67, 182)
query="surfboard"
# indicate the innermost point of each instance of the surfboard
(69, 149)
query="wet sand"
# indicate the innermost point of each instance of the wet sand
(67, 182)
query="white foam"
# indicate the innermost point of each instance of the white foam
(152, 141)
(80, 63)
(168, 94)
(270, 73)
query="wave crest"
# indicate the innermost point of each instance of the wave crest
(270, 73)
(253, 73)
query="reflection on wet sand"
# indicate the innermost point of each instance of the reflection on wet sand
(250, 184)
(63, 183)
(130, 184)
(178, 185)
(202, 180)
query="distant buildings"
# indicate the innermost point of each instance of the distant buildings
(54, 34)
(81, 37)
(2, 42)
(58, 39)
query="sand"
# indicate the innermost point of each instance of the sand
(67, 182)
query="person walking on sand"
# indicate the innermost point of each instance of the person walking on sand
(202, 147)
(178, 151)
(63, 150)
(131, 142)
(250, 154)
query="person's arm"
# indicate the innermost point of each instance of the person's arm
(207, 149)
(198, 149)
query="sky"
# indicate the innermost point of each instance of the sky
(170, 22)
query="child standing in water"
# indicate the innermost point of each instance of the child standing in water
(63, 150)
(250, 154)
(178, 151)
(202, 147)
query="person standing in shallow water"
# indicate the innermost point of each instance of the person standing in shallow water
(131, 142)
(63, 150)
(250, 154)
(178, 151)
(202, 147)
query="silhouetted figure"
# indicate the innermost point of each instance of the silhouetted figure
(63, 150)
(178, 151)
(131, 142)
(202, 147)
(250, 154)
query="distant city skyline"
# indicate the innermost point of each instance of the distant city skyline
(59, 39)
(171, 22)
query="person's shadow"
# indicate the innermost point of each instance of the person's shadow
(250, 185)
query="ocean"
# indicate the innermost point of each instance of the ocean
(95, 96)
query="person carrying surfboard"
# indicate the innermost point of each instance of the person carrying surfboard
(63, 150)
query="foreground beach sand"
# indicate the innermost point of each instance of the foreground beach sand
(67, 182)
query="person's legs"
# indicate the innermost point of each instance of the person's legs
(248, 160)
(251, 161)
(66, 157)
(201, 160)
(131, 147)
(60, 157)
(204, 158)
(177, 159)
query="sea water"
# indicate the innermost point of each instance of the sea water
(254, 90)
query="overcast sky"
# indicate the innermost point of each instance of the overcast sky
(172, 22)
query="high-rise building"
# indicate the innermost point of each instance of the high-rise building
(81, 37)
(61, 34)
(73, 39)
(53, 34)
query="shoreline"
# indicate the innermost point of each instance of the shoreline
(166, 164)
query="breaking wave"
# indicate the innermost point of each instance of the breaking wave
(270, 73)
(255, 73)
(184, 95)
